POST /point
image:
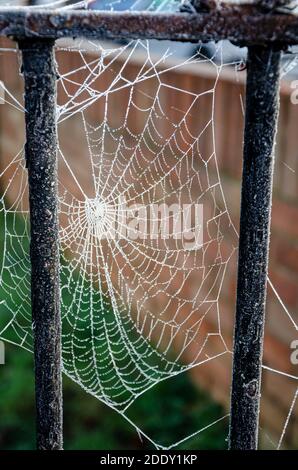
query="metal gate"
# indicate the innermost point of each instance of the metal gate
(267, 28)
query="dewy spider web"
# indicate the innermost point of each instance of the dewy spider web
(111, 5)
(135, 311)
(128, 318)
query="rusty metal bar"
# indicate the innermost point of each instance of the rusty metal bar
(41, 157)
(262, 105)
(241, 24)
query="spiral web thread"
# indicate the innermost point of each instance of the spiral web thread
(135, 311)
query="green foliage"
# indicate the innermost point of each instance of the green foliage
(168, 412)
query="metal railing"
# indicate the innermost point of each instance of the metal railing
(266, 33)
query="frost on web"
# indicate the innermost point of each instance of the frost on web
(134, 295)
(137, 5)
(136, 310)
(109, 5)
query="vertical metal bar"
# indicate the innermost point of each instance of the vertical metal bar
(262, 105)
(41, 156)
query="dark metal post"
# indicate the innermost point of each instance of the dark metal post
(41, 155)
(262, 104)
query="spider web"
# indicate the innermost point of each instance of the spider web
(110, 5)
(129, 320)
(138, 311)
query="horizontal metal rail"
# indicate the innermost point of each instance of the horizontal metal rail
(241, 24)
